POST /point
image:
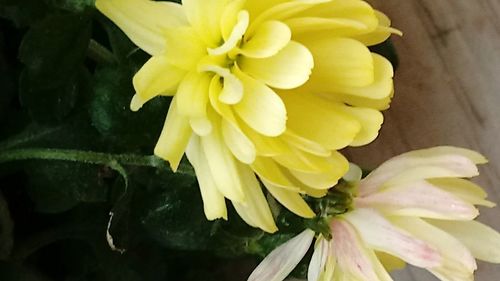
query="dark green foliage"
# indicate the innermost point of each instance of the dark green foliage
(53, 51)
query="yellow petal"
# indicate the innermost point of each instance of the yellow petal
(339, 62)
(156, 77)
(269, 38)
(290, 200)
(143, 20)
(371, 121)
(205, 17)
(174, 137)
(270, 171)
(239, 144)
(327, 179)
(341, 18)
(482, 240)
(266, 146)
(376, 95)
(335, 27)
(288, 69)
(192, 94)
(256, 7)
(305, 162)
(201, 125)
(230, 16)
(464, 189)
(381, 33)
(277, 10)
(320, 120)
(214, 203)
(261, 108)
(305, 144)
(256, 207)
(235, 36)
(232, 91)
(222, 164)
(184, 48)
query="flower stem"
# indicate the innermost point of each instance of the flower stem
(89, 157)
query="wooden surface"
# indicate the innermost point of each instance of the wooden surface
(447, 92)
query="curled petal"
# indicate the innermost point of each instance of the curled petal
(429, 163)
(261, 108)
(370, 120)
(381, 33)
(269, 38)
(288, 69)
(376, 95)
(320, 120)
(339, 62)
(235, 37)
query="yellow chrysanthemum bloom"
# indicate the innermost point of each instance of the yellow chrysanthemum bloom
(266, 87)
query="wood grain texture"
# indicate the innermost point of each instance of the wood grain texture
(447, 92)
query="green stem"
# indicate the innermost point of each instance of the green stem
(99, 53)
(88, 157)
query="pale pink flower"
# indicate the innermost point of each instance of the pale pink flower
(416, 209)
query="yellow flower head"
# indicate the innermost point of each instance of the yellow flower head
(266, 87)
(415, 208)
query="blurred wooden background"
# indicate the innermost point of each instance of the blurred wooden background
(447, 92)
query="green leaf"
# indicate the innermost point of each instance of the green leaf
(59, 186)
(173, 212)
(54, 46)
(122, 47)
(53, 52)
(111, 115)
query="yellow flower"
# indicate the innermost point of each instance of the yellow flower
(414, 208)
(271, 88)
